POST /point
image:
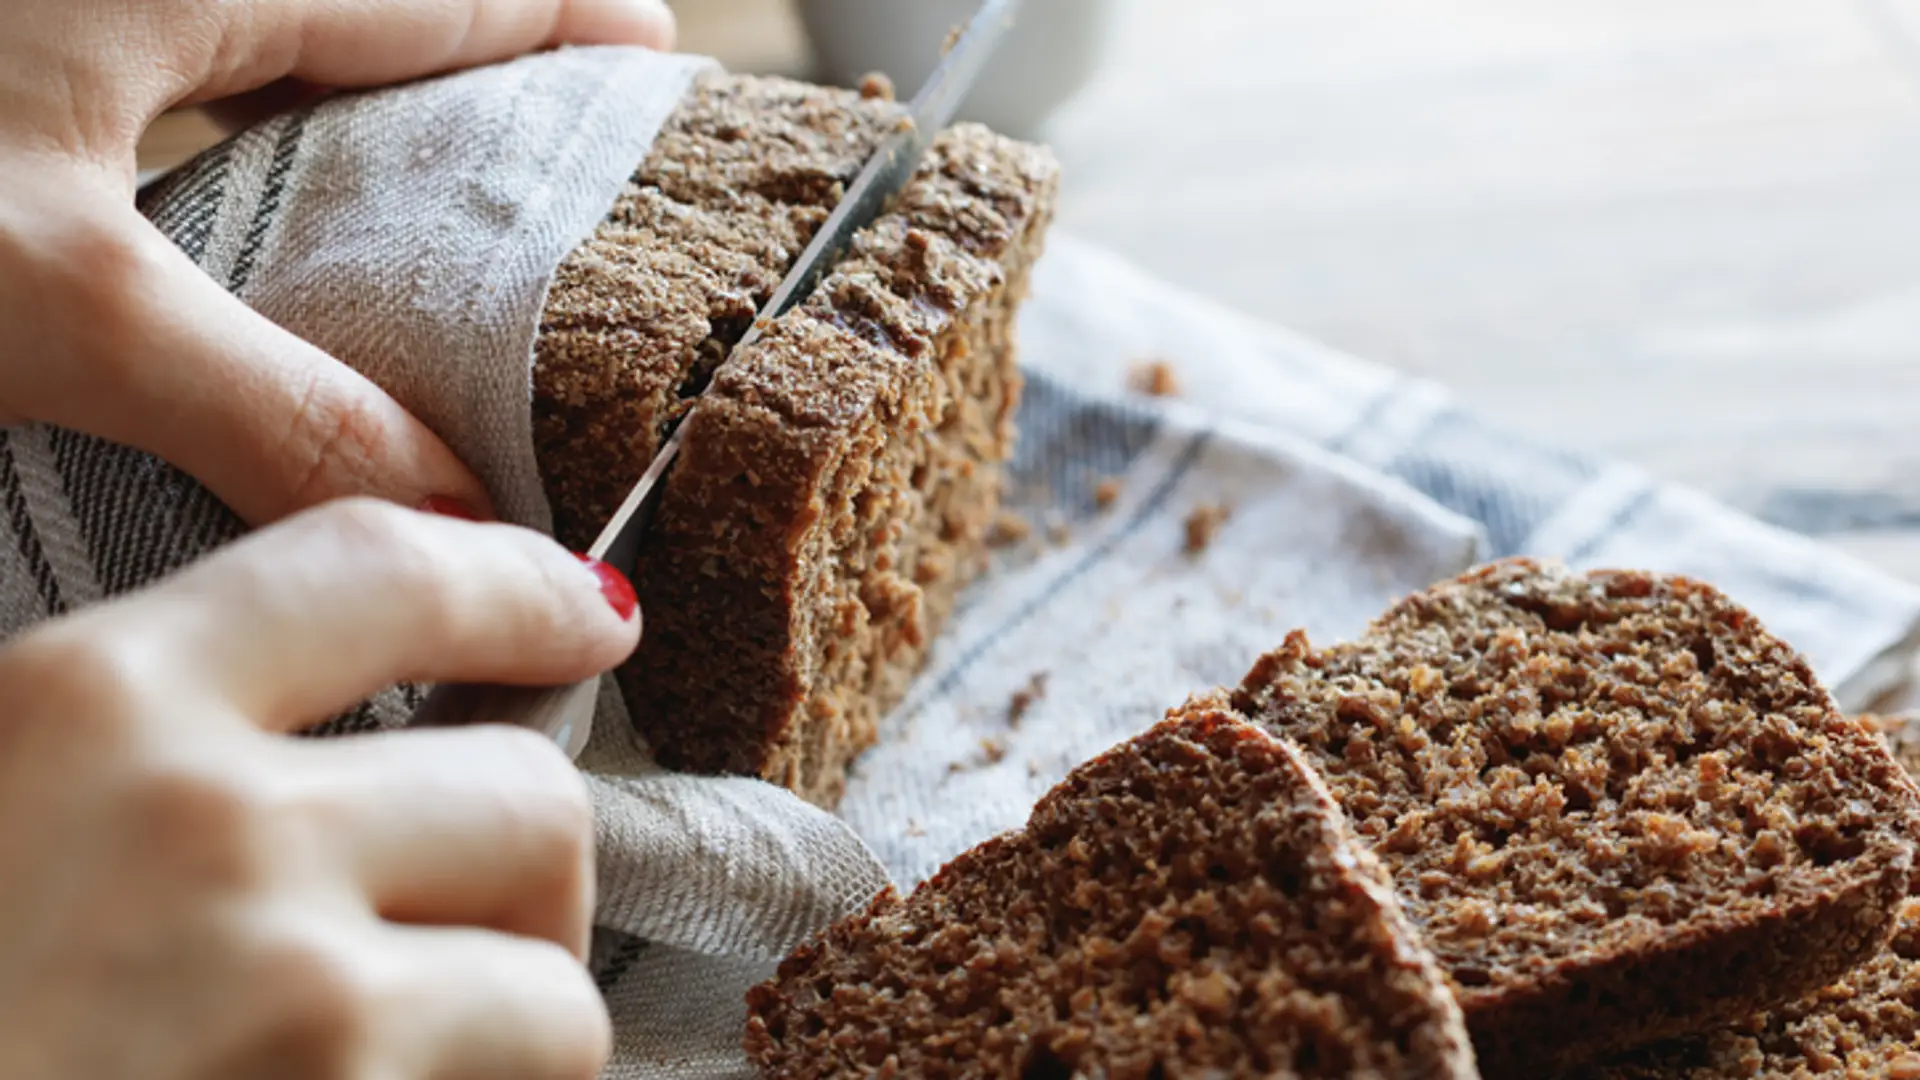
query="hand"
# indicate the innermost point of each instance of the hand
(188, 894)
(107, 328)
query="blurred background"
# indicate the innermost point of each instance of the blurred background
(1684, 233)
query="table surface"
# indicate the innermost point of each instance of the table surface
(1684, 233)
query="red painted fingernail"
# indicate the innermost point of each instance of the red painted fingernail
(447, 506)
(614, 586)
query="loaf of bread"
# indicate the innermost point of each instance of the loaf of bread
(838, 477)
(1189, 904)
(1616, 807)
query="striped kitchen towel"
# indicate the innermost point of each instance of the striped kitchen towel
(1095, 315)
(1171, 541)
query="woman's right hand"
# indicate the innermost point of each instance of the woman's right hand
(188, 893)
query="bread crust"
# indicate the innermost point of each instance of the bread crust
(1619, 809)
(1189, 903)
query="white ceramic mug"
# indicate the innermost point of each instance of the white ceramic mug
(1044, 60)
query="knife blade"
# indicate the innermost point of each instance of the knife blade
(565, 713)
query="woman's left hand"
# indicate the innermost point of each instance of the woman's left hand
(107, 328)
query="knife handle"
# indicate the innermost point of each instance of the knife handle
(561, 713)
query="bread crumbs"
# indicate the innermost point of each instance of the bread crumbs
(1009, 528)
(1024, 698)
(1203, 523)
(1155, 378)
(992, 752)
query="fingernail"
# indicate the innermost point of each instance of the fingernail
(614, 586)
(447, 506)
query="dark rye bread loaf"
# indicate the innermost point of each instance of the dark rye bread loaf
(1189, 904)
(1616, 807)
(839, 477)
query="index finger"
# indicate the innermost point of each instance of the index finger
(374, 42)
(306, 618)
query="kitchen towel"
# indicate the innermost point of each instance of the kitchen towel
(436, 213)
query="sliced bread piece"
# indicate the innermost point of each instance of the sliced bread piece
(1865, 1024)
(641, 312)
(1188, 904)
(1618, 809)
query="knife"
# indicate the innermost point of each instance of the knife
(565, 713)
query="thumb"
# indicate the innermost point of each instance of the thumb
(126, 339)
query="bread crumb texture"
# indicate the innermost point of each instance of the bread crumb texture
(1617, 808)
(639, 314)
(1189, 904)
(1864, 1024)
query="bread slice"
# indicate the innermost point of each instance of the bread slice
(1618, 809)
(838, 479)
(1188, 904)
(639, 314)
(1866, 1023)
